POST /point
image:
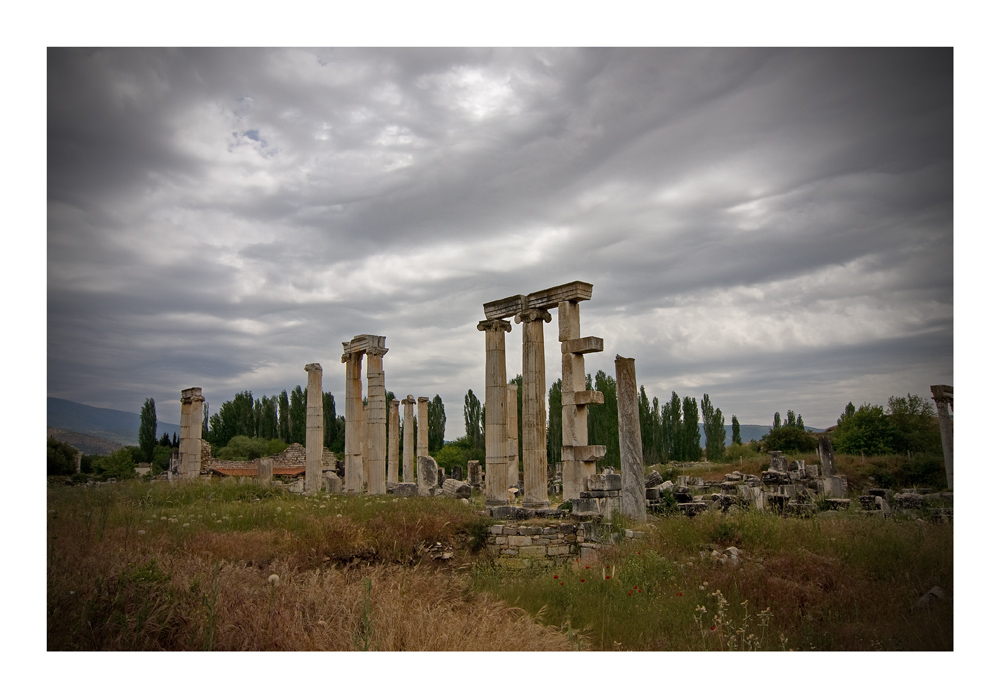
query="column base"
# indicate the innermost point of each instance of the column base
(532, 503)
(497, 503)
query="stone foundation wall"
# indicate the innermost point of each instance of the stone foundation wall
(535, 546)
(291, 457)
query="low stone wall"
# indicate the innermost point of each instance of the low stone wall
(535, 546)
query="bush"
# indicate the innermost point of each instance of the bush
(789, 439)
(735, 452)
(118, 464)
(161, 459)
(61, 458)
(244, 448)
(867, 431)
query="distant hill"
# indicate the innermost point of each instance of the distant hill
(85, 443)
(748, 432)
(113, 425)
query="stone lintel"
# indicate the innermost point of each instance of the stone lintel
(588, 454)
(551, 297)
(363, 343)
(503, 308)
(583, 397)
(583, 345)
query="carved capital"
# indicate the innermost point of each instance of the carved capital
(532, 315)
(376, 351)
(493, 325)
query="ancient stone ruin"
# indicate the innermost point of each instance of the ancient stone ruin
(190, 438)
(945, 401)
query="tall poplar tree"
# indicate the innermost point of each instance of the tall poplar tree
(147, 429)
(553, 437)
(737, 439)
(435, 424)
(691, 430)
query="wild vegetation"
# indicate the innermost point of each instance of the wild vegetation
(142, 565)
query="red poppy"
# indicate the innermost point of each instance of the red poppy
(630, 593)
(561, 583)
(583, 580)
(680, 593)
(555, 576)
(608, 577)
(712, 628)
(587, 567)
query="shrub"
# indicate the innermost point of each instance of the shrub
(118, 464)
(789, 439)
(61, 458)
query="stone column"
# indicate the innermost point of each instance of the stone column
(393, 444)
(826, 456)
(422, 426)
(945, 401)
(190, 446)
(579, 462)
(409, 474)
(365, 444)
(265, 471)
(536, 495)
(512, 462)
(630, 441)
(497, 462)
(352, 423)
(78, 459)
(314, 428)
(376, 421)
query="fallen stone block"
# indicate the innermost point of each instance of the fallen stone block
(456, 489)
(653, 479)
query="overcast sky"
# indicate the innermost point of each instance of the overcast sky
(771, 227)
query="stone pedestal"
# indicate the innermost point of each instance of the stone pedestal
(408, 462)
(376, 421)
(190, 437)
(422, 426)
(512, 442)
(497, 461)
(314, 428)
(533, 406)
(630, 440)
(393, 444)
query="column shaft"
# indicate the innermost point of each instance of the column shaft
(352, 424)
(409, 473)
(512, 461)
(314, 428)
(376, 423)
(630, 441)
(496, 411)
(422, 426)
(392, 446)
(536, 494)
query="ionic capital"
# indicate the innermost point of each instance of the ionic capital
(494, 325)
(376, 351)
(532, 315)
(313, 367)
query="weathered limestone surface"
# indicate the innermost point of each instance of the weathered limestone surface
(376, 421)
(314, 428)
(533, 406)
(512, 443)
(352, 422)
(190, 437)
(456, 489)
(422, 426)
(393, 446)
(427, 476)
(497, 461)
(408, 462)
(265, 470)
(475, 473)
(944, 399)
(826, 456)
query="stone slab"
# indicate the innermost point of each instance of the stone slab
(583, 345)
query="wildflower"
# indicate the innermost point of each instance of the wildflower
(712, 628)
(587, 567)
(630, 593)
(273, 580)
(142, 533)
(555, 576)
(583, 580)
(680, 593)
(608, 577)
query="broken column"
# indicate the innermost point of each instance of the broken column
(512, 461)
(427, 476)
(376, 420)
(579, 460)
(190, 438)
(497, 462)
(826, 456)
(422, 426)
(630, 441)
(408, 463)
(536, 493)
(265, 470)
(314, 428)
(944, 398)
(352, 421)
(393, 443)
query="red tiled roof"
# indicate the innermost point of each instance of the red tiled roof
(292, 471)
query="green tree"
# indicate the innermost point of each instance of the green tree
(435, 424)
(788, 438)
(117, 464)
(737, 439)
(61, 458)
(646, 426)
(849, 411)
(297, 415)
(147, 429)
(777, 421)
(284, 425)
(161, 459)
(235, 417)
(913, 425)
(674, 428)
(868, 430)
(715, 430)
(553, 436)
(690, 430)
(473, 413)
(603, 419)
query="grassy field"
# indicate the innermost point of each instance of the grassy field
(229, 566)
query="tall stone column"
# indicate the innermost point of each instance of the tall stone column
(392, 446)
(496, 411)
(536, 495)
(945, 401)
(630, 441)
(314, 428)
(422, 426)
(376, 421)
(409, 472)
(190, 439)
(365, 444)
(512, 462)
(352, 422)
